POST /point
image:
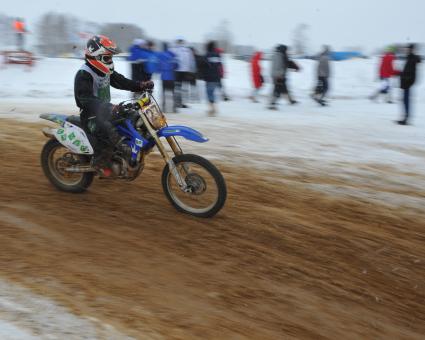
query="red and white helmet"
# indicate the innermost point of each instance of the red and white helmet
(99, 52)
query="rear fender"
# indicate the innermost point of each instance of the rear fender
(69, 135)
(74, 139)
(55, 118)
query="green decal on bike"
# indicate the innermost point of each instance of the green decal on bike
(77, 143)
(60, 131)
(63, 137)
(71, 136)
(84, 148)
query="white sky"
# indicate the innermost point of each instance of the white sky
(264, 23)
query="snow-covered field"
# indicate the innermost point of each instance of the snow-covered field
(351, 130)
(352, 139)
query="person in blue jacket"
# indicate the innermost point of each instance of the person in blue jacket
(152, 64)
(139, 57)
(167, 67)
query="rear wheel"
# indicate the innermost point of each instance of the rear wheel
(55, 158)
(206, 192)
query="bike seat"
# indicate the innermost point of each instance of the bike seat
(76, 120)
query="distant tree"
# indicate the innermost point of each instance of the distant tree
(300, 40)
(123, 34)
(6, 31)
(223, 36)
(56, 33)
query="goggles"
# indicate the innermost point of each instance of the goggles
(105, 58)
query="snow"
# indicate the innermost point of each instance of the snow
(27, 316)
(10, 332)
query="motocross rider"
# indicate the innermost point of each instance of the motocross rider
(92, 92)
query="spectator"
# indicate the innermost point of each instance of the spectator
(152, 63)
(20, 30)
(186, 66)
(139, 58)
(280, 65)
(194, 76)
(222, 73)
(408, 79)
(211, 73)
(323, 73)
(257, 76)
(386, 72)
(167, 67)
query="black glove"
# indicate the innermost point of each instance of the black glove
(146, 85)
(121, 109)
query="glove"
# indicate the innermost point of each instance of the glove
(146, 85)
(119, 109)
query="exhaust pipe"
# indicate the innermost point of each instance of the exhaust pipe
(80, 169)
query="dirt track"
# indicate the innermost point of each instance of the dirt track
(280, 261)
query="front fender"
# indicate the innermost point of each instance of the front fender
(183, 131)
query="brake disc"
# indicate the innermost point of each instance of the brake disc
(196, 183)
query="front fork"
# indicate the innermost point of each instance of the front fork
(173, 169)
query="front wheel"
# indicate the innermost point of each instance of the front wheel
(206, 189)
(55, 158)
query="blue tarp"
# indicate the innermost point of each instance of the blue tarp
(338, 56)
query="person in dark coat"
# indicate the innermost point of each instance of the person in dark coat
(323, 74)
(93, 95)
(280, 65)
(211, 69)
(407, 80)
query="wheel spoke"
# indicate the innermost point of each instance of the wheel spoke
(59, 160)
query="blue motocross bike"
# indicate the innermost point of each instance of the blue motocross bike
(191, 183)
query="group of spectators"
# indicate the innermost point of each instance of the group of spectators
(179, 67)
(281, 63)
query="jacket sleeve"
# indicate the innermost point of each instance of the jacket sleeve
(292, 65)
(122, 83)
(83, 91)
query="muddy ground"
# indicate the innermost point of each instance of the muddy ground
(284, 259)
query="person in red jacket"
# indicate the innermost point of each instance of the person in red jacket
(20, 30)
(257, 76)
(386, 72)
